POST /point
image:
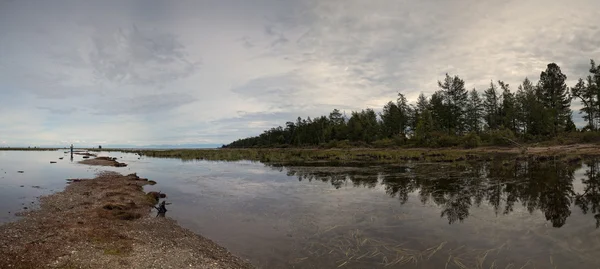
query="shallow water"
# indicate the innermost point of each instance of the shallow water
(486, 215)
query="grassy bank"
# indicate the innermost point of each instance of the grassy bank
(302, 155)
(367, 155)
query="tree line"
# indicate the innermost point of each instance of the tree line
(453, 116)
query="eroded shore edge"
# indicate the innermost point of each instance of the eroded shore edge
(105, 222)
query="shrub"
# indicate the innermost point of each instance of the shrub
(399, 140)
(384, 143)
(471, 140)
(502, 137)
(359, 144)
(444, 140)
(338, 144)
(590, 137)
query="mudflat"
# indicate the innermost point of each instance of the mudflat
(105, 222)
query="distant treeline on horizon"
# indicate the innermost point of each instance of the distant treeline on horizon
(454, 116)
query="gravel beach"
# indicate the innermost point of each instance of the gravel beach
(105, 222)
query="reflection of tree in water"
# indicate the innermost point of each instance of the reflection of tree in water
(399, 186)
(544, 186)
(589, 200)
(337, 177)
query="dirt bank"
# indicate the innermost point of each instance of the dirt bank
(105, 223)
(103, 161)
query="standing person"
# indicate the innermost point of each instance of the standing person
(71, 151)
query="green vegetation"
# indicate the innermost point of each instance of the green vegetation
(356, 157)
(454, 116)
(312, 156)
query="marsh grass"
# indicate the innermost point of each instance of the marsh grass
(354, 248)
(309, 156)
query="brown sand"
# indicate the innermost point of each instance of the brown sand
(105, 223)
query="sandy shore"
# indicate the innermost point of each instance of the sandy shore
(105, 223)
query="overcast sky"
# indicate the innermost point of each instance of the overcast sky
(172, 72)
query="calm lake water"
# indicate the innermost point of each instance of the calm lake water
(483, 215)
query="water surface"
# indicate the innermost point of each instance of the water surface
(481, 215)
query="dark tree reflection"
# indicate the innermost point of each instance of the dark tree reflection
(502, 184)
(589, 200)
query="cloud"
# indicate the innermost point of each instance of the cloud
(218, 71)
(142, 104)
(58, 110)
(130, 56)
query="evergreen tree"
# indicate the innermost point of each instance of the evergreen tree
(554, 95)
(390, 120)
(570, 125)
(508, 111)
(417, 110)
(405, 114)
(363, 126)
(474, 112)
(338, 125)
(422, 103)
(594, 83)
(588, 100)
(425, 127)
(439, 112)
(588, 91)
(491, 107)
(455, 99)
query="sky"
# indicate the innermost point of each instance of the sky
(152, 72)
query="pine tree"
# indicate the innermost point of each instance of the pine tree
(491, 107)
(425, 127)
(422, 103)
(508, 111)
(390, 120)
(474, 112)
(439, 112)
(588, 92)
(588, 100)
(555, 97)
(455, 99)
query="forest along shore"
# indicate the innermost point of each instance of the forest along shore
(105, 222)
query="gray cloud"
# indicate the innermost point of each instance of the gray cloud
(142, 104)
(59, 110)
(131, 56)
(217, 71)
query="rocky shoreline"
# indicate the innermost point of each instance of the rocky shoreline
(105, 222)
